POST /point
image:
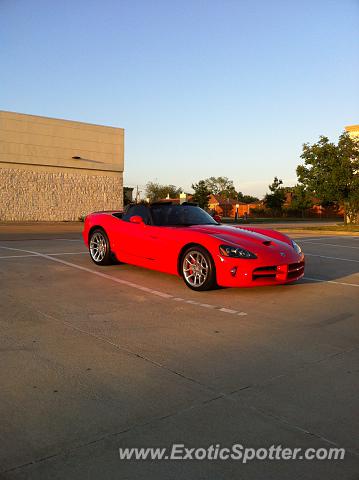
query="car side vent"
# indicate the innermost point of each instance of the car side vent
(267, 243)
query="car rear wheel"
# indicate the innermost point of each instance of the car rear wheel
(99, 247)
(197, 268)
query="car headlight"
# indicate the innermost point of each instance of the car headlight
(296, 247)
(235, 252)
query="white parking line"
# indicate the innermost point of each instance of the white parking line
(329, 244)
(68, 239)
(50, 254)
(125, 282)
(227, 310)
(321, 238)
(330, 281)
(18, 256)
(331, 258)
(67, 253)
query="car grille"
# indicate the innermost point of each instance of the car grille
(279, 272)
(295, 269)
(264, 272)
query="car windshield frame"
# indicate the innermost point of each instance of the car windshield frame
(174, 215)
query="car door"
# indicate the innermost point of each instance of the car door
(134, 242)
(163, 245)
(163, 242)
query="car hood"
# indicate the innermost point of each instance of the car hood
(254, 241)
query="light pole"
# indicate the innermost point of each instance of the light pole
(236, 216)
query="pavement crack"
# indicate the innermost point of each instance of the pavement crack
(294, 426)
(107, 436)
(295, 370)
(130, 352)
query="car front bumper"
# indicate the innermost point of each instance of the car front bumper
(232, 272)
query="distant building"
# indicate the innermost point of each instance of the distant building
(228, 207)
(54, 170)
(127, 195)
(316, 210)
(183, 197)
(353, 130)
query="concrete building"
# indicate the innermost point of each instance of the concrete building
(58, 170)
(353, 130)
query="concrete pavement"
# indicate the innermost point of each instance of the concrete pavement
(91, 363)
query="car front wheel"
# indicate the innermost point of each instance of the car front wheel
(99, 247)
(197, 268)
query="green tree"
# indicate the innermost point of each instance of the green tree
(246, 198)
(275, 200)
(331, 173)
(301, 199)
(155, 191)
(201, 193)
(221, 186)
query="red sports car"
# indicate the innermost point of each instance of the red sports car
(186, 241)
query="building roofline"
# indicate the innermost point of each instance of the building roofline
(352, 128)
(61, 119)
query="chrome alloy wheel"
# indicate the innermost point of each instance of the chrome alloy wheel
(98, 247)
(195, 268)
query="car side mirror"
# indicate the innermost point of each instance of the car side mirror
(136, 219)
(217, 218)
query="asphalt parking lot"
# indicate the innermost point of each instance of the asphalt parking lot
(93, 359)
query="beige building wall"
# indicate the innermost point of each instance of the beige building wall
(57, 170)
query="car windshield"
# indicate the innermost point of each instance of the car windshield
(182, 215)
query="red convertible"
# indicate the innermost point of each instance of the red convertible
(186, 241)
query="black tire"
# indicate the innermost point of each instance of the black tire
(202, 261)
(99, 247)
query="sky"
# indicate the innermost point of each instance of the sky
(203, 88)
